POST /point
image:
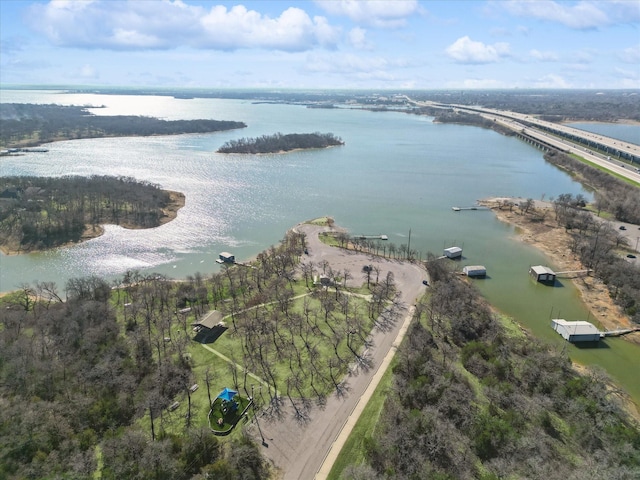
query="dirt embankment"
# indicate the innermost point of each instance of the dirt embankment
(555, 242)
(170, 212)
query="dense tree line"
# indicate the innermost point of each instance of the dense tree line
(471, 401)
(279, 142)
(80, 368)
(74, 379)
(463, 118)
(555, 105)
(612, 194)
(597, 245)
(29, 124)
(44, 212)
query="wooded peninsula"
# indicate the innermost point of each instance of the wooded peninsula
(89, 377)
(279, 142)
(37, 213)
(25, 125)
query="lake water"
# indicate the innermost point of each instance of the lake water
(396, 173)
(625, 132)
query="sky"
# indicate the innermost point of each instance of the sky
(322, 44)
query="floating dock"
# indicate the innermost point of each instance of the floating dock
(457, 209)
(373, 237)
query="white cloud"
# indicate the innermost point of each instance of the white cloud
(624, 11)
(581, 15)
(631, 55)
(629, 75)
(355, 66)
(344, 63)
(476, 83)
(294, 30)
(544, 56)
(87, 72)
(358, 38)
(551, 81)
(465, 50)
(142, 25)
(377, 13)
(12, 45)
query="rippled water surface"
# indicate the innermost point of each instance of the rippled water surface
(396, 173)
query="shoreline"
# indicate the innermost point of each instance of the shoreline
(177, 200)
(554, 242)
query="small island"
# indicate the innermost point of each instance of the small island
(279, 142)
(28, 125)
(39, 213)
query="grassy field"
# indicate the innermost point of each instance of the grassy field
(606, 170)
(353, 452)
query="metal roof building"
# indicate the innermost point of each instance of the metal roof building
(453, 252)
(578, 331)
(542, 274)
(475, 271)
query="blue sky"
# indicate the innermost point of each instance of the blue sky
(322, 44)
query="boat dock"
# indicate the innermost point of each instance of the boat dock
(568, 273)
(619, 332)
(457, 209)
(373, 237)
(581, 331)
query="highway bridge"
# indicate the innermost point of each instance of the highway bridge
(609, 153)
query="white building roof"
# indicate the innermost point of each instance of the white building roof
(578, 327)
(474, 268)
(578, 331)
(541, 270)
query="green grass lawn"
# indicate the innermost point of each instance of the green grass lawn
(603, 169)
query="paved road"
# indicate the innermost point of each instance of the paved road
(298, 449)
(512, 120)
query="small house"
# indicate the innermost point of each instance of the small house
(578, 331)
(542, 274)
(475, 271)
(226, 257)
(453, 252)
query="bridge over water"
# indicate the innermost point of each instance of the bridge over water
(549, 135)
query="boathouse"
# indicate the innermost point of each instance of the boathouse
(542, 274)
(453, 252)
(226, 257)
(578, 331)
(475, 271)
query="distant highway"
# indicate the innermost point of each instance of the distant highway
(542, 130)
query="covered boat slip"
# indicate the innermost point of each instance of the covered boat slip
(542, 274)
(453, 252)
(578, 331)
(475, 271)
